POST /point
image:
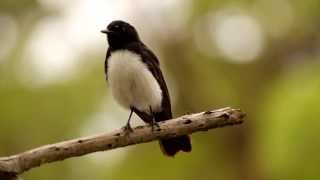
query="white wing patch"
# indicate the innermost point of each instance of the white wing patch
(132, 84)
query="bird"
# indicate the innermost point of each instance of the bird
(134, 76)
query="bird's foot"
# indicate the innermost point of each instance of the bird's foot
(127, 129)
(154, 124)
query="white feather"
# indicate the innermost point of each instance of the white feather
(132, 84)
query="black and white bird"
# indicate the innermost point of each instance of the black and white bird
(136, 82)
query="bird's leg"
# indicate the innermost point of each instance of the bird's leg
(127, 128)
(153, 120)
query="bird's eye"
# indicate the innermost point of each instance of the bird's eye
(116, 26)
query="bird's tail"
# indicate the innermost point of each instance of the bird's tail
(173, 145)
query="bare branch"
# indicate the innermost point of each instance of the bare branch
(187, 124)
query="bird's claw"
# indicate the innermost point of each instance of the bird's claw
(153, 124)
(127, 129)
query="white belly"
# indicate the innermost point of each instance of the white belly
(131, 83)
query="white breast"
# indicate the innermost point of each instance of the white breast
(132, 84)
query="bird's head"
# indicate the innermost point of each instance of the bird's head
(120, 33)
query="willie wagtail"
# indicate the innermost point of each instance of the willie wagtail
(136, 82)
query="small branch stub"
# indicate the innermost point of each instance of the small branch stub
(187, 124)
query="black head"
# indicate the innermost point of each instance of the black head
(120, 34)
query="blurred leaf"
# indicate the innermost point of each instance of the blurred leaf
(17, 7)
(289, 124)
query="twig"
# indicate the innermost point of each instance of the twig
(17, 164)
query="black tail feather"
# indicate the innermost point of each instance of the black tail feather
(173, 145)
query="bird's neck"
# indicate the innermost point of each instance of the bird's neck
(122, 46)
(118, 43)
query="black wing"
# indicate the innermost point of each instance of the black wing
(153, 65)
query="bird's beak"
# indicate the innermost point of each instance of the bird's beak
(105, 31)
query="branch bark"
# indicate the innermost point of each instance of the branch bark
(13, 165)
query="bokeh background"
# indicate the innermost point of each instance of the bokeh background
(262, 56)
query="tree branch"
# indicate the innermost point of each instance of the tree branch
(187, 124)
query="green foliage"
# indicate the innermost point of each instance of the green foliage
(289, 124)
(17, 7)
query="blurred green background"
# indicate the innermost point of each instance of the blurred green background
(262, 56)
